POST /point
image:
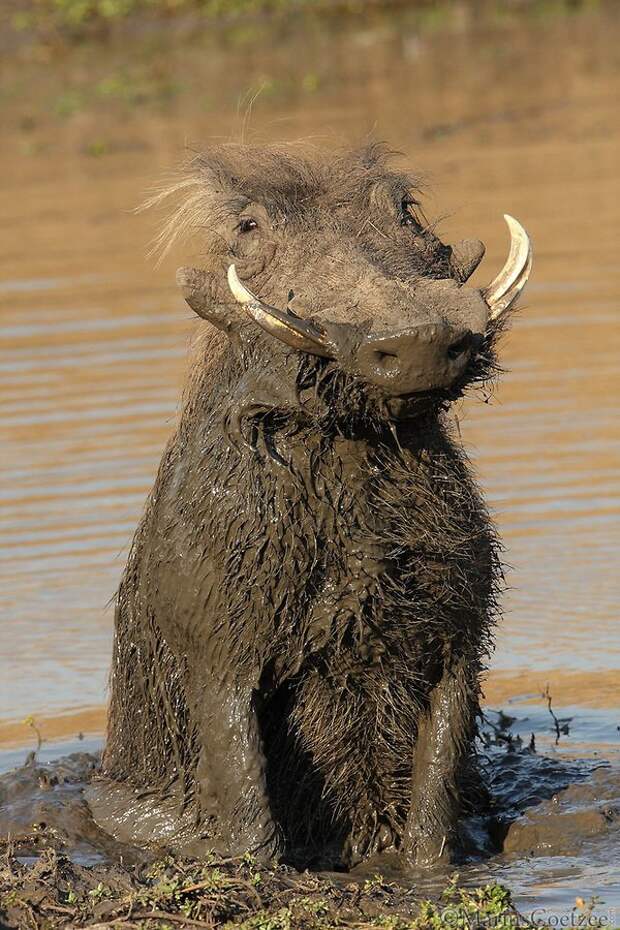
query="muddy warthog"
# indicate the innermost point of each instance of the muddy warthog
(310, 595)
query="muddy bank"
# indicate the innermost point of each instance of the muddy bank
(59, 870)
(554, 825)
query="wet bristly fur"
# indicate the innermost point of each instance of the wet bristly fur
(318, 568)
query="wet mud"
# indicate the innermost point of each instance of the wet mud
(49, 801)
(544, 810)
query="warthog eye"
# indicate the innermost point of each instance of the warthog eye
(247, 224)
(408, 213)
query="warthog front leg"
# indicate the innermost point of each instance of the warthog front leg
(443, 744)
(230, 776)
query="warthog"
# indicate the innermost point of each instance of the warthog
(310, 594)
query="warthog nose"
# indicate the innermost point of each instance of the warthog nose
(420, 358)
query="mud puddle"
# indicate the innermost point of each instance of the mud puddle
(551, 836)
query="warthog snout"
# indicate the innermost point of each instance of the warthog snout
(416, 359)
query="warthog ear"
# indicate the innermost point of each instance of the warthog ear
(200, 290)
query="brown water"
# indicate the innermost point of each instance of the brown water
(518, 115)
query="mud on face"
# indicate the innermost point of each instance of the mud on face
(333, 256)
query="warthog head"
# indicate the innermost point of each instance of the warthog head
(339, 300)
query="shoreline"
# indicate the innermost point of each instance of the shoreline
(590, 690)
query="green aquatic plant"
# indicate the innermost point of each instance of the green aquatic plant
(31, 722)
(99, 892)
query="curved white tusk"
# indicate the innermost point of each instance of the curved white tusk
(300, 334)
(502, 292)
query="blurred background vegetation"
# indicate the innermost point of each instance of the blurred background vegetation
(99, 77)
(76, 19)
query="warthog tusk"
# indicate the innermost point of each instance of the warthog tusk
(502, 292)
(300, 334)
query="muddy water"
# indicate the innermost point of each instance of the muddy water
(511, 115)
